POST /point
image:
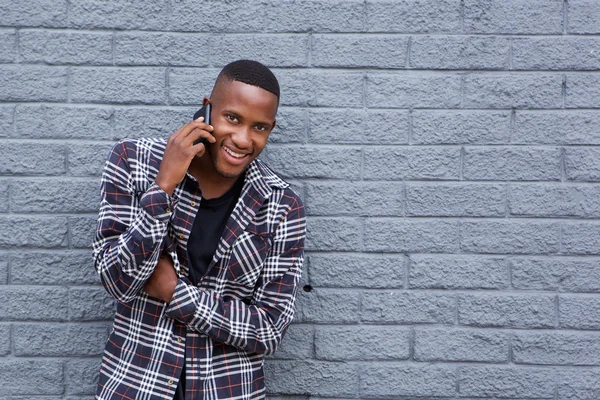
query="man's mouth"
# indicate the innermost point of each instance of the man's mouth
(233, 153)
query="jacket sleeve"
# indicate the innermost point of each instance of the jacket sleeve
(131, 225)
(260, 326)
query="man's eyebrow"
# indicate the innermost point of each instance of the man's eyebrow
(235, 114)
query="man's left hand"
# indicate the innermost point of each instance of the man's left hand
(163, 280)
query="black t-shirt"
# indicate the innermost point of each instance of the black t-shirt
(208, 227)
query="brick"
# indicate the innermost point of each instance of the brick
(354, 199)
(581, 238)
(455, 199)
(506, 310)
(578, 383)
(421, 236)
(513, 16)
(510, 237)
(33, 303)
(63, 122)
(408, 16)
(401, 163)
(356, 270)
(272, 50)
(55, 47)
(215, 16)
(321, 88)
(291, 126)
(31, 377)
(4, 195)
(582, 91)
(582, 16)
(331, 234)
(542, 200)
(409, 90)
(578, 312)
(556, 274)
(460, 52)
(140, 85)
(312, 16)
(507, 382)
(5, 340)
(28, 158)
(81, 376)
(362, 343)
(328, 306)
(323, 378)
(87, 159)
(512, 90)
(462, 345)
(39, 232)
(188, 86)
(59, 340)
(385, 380)
(38, 13)
(7, 112)
(557, 127)
(51, 268)
(358, 126)
(408, 307)
(297, 343)
(8, 45)
(457, 272)
(556, 348)
(557, 53)
(512, 163)
(120, 14)
(460, 127)
(33, 83)
(149, 122)
(314, 162)
(55, 196)
(582, 164)
(90, 304)
(145, 48)
(381, 51)
(82, 230)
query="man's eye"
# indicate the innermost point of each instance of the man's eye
(261, 128)
(232, 118)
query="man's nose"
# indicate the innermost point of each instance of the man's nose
(241, 138)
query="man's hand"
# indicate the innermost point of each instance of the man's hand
(163, 280)
(180, 152)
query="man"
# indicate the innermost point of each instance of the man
(202, 247)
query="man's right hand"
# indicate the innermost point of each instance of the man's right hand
(180, 152)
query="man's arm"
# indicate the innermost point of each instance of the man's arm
(130, 228)
(260, 326)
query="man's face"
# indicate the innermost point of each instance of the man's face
(242, 116)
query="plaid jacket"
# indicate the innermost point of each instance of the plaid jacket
(221, 328)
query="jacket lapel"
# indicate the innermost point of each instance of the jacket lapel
(254, 194)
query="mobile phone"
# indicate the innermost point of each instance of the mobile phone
(203, 112)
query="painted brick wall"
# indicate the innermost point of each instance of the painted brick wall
(447, 152)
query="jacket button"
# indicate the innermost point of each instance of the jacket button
(170, 382)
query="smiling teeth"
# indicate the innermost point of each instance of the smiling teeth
(236, 155)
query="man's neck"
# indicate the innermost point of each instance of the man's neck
(212, 184)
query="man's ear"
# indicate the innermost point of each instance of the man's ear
(205, 101)
(273, 126)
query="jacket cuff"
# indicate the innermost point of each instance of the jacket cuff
(157, 203)
(182, 306)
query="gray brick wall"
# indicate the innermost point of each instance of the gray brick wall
(447, 152)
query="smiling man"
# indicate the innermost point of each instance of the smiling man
(202, 247)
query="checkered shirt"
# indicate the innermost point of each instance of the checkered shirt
(238, 312)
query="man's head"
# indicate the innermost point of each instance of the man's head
(244, 102)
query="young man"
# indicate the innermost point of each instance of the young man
(202, 247)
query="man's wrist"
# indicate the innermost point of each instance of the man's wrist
(168, 188)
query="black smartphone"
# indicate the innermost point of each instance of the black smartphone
(203, 112)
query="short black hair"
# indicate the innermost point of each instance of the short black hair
(252, 73)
